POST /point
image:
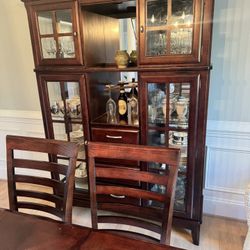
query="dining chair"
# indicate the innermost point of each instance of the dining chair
(32, 163)
(145, 214)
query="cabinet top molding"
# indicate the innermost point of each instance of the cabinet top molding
(80, 1)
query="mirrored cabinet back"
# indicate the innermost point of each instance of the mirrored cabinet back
(127, 71)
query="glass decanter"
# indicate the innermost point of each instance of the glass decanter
(111, 108)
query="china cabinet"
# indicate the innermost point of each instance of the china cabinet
(161, 90)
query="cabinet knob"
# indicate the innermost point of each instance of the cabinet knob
(75, 33)
(86, 142)
(142, 28)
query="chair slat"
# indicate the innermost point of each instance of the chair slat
(133, 210)
(130, 221)
(40, 207)
(134, 152)
(131, 174)
(39, 181)
(53, 147)
(40, 165)
(40, 195)
(131, 192)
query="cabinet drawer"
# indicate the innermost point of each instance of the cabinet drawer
(115, 135)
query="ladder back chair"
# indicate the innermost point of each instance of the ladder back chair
(142, 215)
(49, 195)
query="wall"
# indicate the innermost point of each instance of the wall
(18, 90)
(230, 86)
(228, 135)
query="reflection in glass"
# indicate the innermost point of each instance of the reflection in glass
(180, 193)
(156, 43)
(181, 41)
(45, 22)
(156, 103)
(66, 47)
(156, 138)
(179, 7)
(67, 103)
(157, 11)
(48, 47)
(179, 140)
(64, 21)
(179, 101)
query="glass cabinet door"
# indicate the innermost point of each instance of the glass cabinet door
(57, 34)
(170, 114)
(169, 31)
(65, 119)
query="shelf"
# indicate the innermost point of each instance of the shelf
(102, 121)
(140, 68)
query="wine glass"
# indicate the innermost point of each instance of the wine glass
(111, 108)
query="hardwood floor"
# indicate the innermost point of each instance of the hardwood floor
(216, 233)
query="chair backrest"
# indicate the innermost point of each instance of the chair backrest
(142, 214)
(57, 197)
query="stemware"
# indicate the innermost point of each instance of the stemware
(111, 108)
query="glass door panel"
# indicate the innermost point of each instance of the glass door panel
(168, 118)
(57, 33)
(157, 12)
(169, 31)
(45, 21)
(169, 28)
(66, 117)
(64, 21)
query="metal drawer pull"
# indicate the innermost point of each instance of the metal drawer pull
(118, 196)
(113, 137)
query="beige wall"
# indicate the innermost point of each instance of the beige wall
(230, 79)
(18, 89)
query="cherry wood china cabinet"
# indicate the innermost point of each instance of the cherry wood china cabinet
(75, 44)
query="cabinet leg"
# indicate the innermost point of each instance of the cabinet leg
(196, 234)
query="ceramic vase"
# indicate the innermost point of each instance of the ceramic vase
(122, 59)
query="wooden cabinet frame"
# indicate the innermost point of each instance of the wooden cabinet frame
(193, 68)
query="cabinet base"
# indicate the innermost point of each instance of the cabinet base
(192, 225)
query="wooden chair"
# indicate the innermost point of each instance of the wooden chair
(61, 204)
(143, 215)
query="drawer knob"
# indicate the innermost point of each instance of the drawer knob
(113, 137)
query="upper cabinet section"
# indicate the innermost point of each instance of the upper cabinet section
(172, 31)
(55, 33)
(121, 33)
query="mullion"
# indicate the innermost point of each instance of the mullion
(55, 32)
(66, 118)
(168, 35)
